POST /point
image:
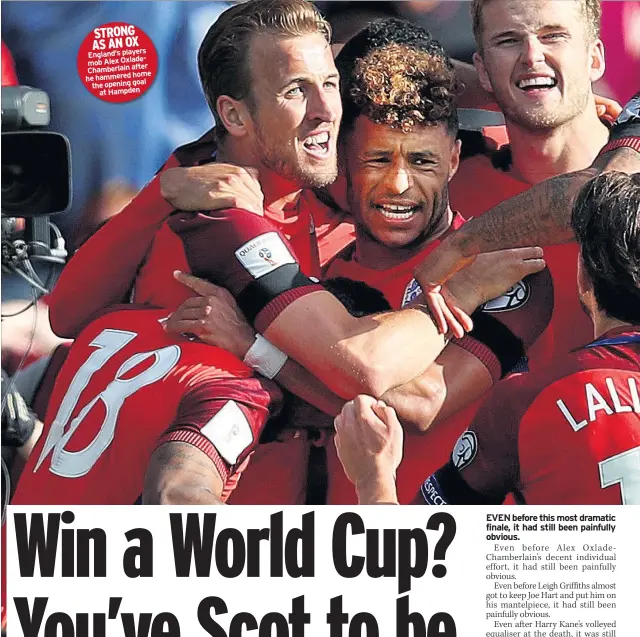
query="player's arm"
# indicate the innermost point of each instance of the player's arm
(95, 278)
(484, 464)
(455, 380)
(348, 355)
(217, 426)
(538, 216)
(212, 186)
(98, 274)
(503, 331)
(231, 332)
(180, 473)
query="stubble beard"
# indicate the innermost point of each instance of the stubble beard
(286, 162)
(539, 119)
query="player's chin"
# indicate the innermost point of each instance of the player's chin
(395, 239)
(318, 174)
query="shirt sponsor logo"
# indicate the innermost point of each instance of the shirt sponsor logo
(229, 431)
(264, 254)
(431, 492)
(411, 292)
(465, 450)
(512, 299)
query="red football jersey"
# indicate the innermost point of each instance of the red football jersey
(477, 187)
(588, 404)
(526, 318)
(315, 231)
(398, 283)
(126, 387)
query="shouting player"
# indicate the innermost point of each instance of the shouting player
(588, 402)
(248, 92)
(539, 60)
(399, 160)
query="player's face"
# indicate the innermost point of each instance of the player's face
(297, 107)
(397, 181)
(538, 60)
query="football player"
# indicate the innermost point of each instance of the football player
(588, 402)
(126, 393)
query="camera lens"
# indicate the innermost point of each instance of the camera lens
(35, 173)
(20, 189)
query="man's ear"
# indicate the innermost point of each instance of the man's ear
(597, 68)
(455, 159)
(234, 115)
(586, 293)
(584, 285)
(483, 78)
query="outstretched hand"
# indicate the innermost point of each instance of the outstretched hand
(485, 277)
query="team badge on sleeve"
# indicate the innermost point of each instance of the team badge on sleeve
(411, 292)
(465, 450)
(512, 299)
(264, 254)
(229, 431)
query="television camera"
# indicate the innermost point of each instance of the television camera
(36, 183)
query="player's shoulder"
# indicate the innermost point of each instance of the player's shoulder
(198, 151)
(494, 163)
(127, 316)
(518, 391)
(581, 363)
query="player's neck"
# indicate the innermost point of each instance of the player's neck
(279, 192)
(537, 156)
(603, 324)
(372, 254)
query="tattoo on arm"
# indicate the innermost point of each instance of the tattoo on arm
(179, 473)
(538, 216)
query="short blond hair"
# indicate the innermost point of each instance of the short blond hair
(223, 58)
(591, 9)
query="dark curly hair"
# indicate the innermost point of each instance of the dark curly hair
(606, 222)
(397, 74)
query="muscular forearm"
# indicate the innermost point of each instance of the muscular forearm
(419, 401)
(542, 214)
(378, 353)
(538, 216)
(454, 381)
(306, 386)
(368, 355)
(178, 473)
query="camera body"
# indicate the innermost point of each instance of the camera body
(36, 174)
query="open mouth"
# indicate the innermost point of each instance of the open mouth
(317, 145)
(536, 84)
(397, 212)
